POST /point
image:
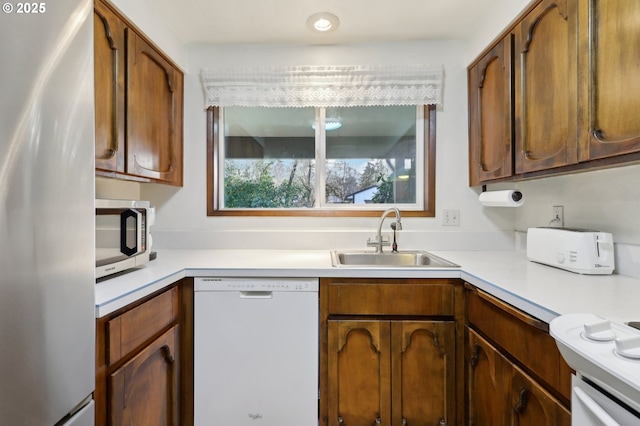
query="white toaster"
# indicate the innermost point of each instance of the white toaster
(576, 250)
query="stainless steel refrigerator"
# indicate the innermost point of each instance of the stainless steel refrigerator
(46, 213)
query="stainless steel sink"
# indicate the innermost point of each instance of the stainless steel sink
(401, 259)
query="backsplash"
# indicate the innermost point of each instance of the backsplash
(602, 200)
(327, 239)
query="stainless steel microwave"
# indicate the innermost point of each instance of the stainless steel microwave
(122, 235)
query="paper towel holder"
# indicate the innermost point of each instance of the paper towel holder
(502, 198)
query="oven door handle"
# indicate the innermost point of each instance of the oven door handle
(593, 408)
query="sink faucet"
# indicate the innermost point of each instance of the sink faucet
(396, 226)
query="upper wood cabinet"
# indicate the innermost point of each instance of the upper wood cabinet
(546, 87)
(491, 114)
(573, 87)
(139, 104)
(609, 84)
(109, 77)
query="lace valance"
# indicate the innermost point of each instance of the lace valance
(323, 86)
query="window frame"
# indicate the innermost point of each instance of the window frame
(213, 178)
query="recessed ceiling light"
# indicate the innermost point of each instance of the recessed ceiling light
(323, 22)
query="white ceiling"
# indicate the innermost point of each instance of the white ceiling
(284, 21)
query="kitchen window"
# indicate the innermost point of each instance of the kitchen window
(282, 161)
(279, 149)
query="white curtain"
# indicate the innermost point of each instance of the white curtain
(323, 86)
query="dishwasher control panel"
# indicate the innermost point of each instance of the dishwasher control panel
(256, 284)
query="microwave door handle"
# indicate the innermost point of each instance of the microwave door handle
(124, 218)
(593, 408)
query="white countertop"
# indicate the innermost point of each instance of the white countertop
(541, 291)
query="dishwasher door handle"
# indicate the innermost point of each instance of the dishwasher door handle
(256, 294)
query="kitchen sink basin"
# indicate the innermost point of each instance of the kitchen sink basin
(401, 259)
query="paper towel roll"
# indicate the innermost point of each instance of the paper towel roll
(508, 198)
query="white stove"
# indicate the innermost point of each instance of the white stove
(606, 357)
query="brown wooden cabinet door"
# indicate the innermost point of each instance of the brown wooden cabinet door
(109, 81)
(532, 405)
(144, 390)
(423, 373)
(609, 83)
(154, 113)
(359, 372)
(490, 115)
(546, 87)
(488, 390)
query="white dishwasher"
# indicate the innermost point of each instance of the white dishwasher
(256, 351)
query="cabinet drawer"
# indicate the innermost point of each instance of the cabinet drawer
(523, 337)
(131, 329)
(433, 297)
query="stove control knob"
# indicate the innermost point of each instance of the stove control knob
(560, 257)
(600, 331)
(628, 347)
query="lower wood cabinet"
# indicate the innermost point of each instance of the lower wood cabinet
(389, 352)
(144, 361)
(143, 391)
(514, 372)
(391, 372)
(488, 397)
(500, 393)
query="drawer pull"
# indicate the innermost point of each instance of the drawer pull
(166, 352)
(521, 406)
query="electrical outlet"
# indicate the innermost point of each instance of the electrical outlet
(451, 217)
(558, 217)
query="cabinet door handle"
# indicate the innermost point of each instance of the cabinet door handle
(340, 420)
(378, 421)
(521, 406)
(475, 356)
(166, 352)
(404, 422)
(442, 423)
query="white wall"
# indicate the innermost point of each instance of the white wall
(503, 12)
(181, 215)
(606, 200)
(149, 21)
